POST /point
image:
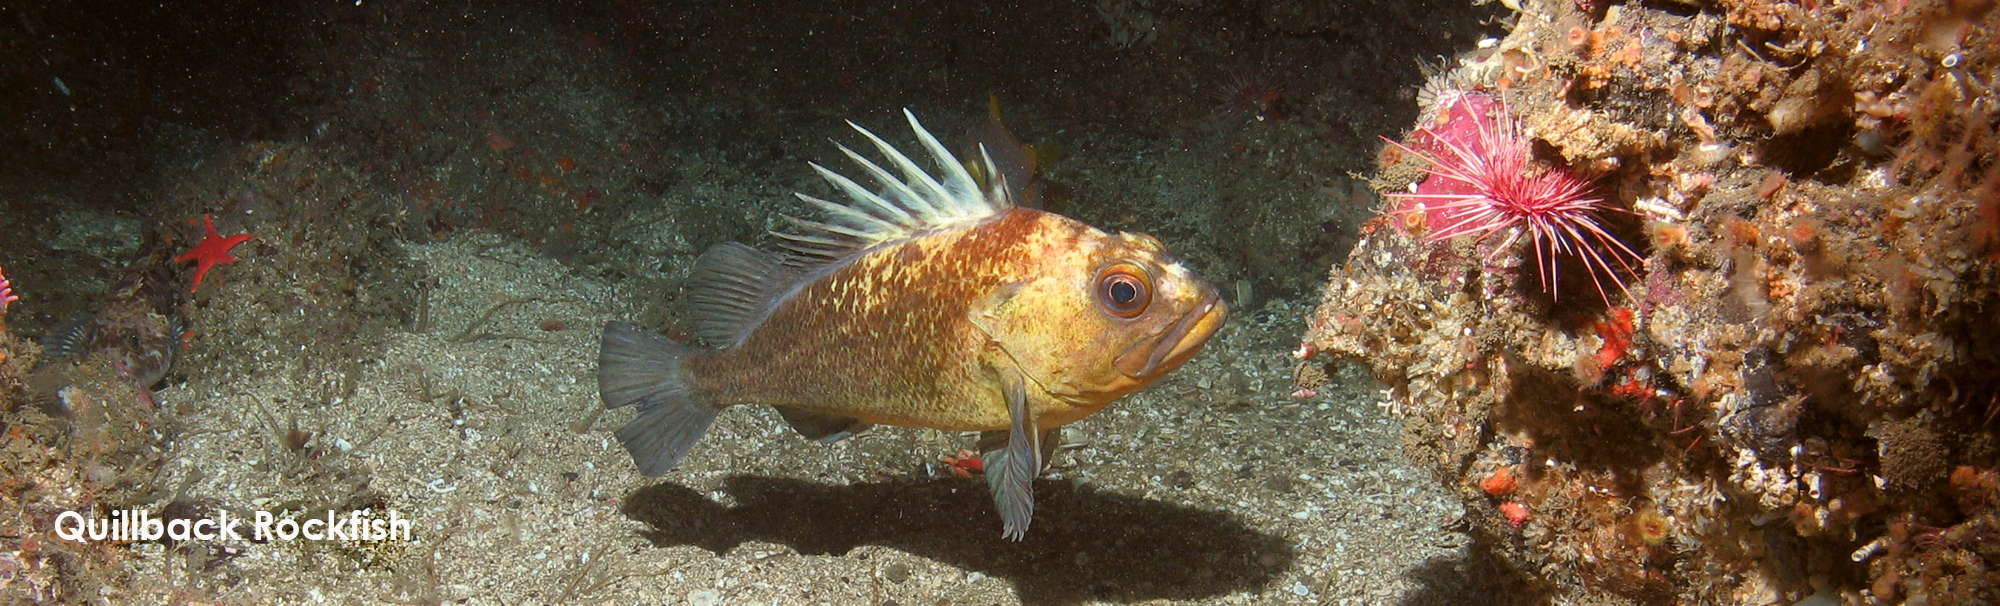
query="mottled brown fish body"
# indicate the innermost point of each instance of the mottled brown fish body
(138, 326)
(930, 301)
(892, 337)
(884, 338)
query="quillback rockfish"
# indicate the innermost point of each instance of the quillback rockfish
(929, 302)
(138, 324)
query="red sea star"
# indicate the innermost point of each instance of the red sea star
(213, 250)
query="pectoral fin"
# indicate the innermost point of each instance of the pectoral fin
(1011, 467)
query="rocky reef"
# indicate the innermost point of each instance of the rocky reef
(74, 437)
(1792, 397)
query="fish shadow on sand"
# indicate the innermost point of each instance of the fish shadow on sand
(1084, 545)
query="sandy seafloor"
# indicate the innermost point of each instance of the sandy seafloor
(1216, 485)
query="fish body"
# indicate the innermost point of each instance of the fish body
(138, 325)
(928, 302)
(929, 321)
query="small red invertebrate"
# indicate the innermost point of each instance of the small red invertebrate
(1516, 513)
(1617, 335)
(1501, 483)
(965, 463)
(213, 250)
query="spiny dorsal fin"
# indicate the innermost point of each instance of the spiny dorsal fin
(730, 289)
(909, 201)
(733, 286)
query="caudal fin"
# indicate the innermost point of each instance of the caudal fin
(636, 366)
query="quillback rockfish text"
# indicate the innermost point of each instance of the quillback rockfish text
(140, 525)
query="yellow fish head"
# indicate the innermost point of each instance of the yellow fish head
(1105, 315)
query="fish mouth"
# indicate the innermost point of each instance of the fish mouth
(1179, 342)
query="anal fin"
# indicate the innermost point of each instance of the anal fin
(821, 427)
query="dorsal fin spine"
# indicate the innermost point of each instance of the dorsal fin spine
(829, 227)
(909, 201)
(958, 184)
(733, 285)
(854, 190)
(996, 190)
(894, 187)
(849, 215)
(913, 176)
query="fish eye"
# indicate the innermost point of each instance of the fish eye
(1124, 290)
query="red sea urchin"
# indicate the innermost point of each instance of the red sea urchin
(1483, 180)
